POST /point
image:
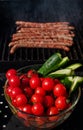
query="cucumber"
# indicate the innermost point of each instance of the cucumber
(63, 62)
(61, 73)
(50, 64)
(67, 81)
(74, 66)
(77, 81)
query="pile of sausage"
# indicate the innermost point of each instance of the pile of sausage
(57, 35)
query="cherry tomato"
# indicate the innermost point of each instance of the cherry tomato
(31, 73)
(14, 81)
(48, 84)
(24, 80)
(8, 90)
(14, 102)
(15, 91)
(28, 91)
(22, 115)
(38, 109)
(35, 82)
(21, 100)
(40, 91)
(53, 111)
(61, 102)
(10, 72)
(36, 98)
(56, 81)
(20, 108)
(42, 78)
(48, 101)
(27, 108)
(59, 90)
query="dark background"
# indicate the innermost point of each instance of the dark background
(37, 11)
(42, 10)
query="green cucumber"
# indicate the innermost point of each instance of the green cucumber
(74, 66)
(77, 81)
(63, 62)
(61, 73)
(50, 64)
(67, 81)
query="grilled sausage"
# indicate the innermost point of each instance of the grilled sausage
(42, 35)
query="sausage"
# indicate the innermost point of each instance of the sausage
(41, 36)
(57, 35)
(23, 24)
(27, 44)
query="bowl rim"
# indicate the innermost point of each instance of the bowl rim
(59, 114)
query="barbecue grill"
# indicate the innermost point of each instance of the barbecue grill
(37, 11)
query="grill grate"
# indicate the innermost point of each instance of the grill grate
(38, 53)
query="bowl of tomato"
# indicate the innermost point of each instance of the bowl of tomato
(38, 101)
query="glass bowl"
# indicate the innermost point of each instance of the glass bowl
(40, 122)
